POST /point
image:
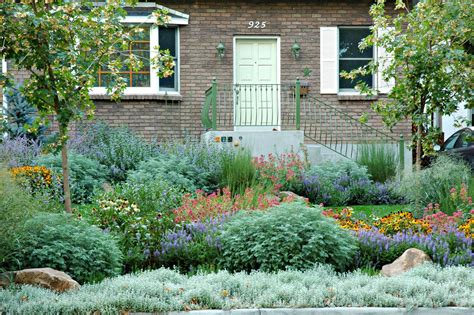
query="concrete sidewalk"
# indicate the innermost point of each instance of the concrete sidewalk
(328, 311)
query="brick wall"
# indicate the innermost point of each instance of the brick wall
(212, 21)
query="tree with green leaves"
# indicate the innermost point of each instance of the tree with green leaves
(63, 44)
(429, 59)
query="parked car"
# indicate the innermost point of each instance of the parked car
(460, 143)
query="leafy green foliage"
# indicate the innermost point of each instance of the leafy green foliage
(381, 161)
(287, 236)
(165, 290)
(16, 207)
(238, 172)
(117, 148)
(138, 214)
(19, 118)
(430, 62)
(75, 247)
(176, 170)
(434, 184)
(207, 158)
(86, 175)
(42, 39)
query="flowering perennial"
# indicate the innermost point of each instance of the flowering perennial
(281, 172)
(220, 203)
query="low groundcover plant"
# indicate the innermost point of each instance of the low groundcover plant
(166, 290)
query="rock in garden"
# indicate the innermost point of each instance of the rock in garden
(289, 195)
(411, 258)
(46, 278)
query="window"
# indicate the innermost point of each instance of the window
(449, 144)
(145, 81)
(168, 39)
(351, 57)
(140, 48)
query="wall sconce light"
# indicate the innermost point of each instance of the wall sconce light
(295, 50)
(220, 50)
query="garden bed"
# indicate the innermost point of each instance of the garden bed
(166, 290)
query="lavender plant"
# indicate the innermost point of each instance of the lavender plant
(447, 249)
(19, 151)
(118, 148)
(345, 183)
(191, 246)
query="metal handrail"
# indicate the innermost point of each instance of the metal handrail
(348, 117)
(337, 130)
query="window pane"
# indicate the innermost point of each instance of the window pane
(349, 39)
(139, 46)
(142, 53)
(169, 82)
(167, 39)
(141, 80)
(348, 65)
(449, 144)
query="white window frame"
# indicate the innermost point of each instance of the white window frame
(154, 88)
(374, 57)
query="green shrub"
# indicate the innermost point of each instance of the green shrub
(166, 290)
(176, 170)
(337, 183)
(238, 172)
(287, 236)
(16, 207)
(86, 175)
(156, 196)
(434, 184)
(119, 149)
(380, 159)
(75, 247)
(207, 158)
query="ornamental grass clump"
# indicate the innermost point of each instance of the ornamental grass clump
(291, 235)
(238, 172)
(380, 159)
(435, 184)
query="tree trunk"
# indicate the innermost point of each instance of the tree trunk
(419, 134)
(64, 162)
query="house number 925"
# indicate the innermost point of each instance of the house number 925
(257, 24)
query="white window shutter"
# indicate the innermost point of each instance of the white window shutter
(329, 74)
(383, 59)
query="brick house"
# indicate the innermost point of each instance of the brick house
(255, 50)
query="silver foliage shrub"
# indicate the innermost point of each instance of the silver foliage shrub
(166, 290)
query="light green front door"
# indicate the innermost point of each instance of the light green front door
(256, 89)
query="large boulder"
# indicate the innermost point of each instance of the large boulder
(47, 278)
(411, 258)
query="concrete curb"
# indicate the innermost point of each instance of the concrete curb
(327, 311)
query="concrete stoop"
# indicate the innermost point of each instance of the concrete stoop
(328, 311)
